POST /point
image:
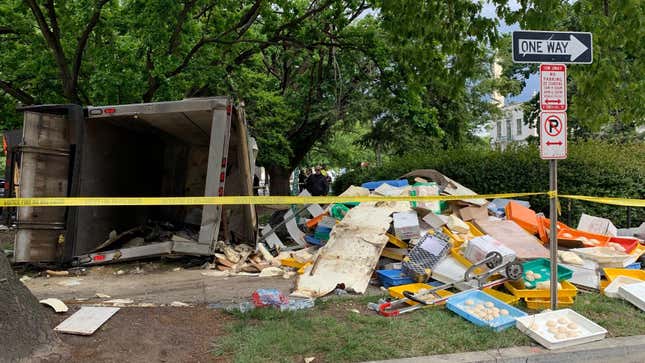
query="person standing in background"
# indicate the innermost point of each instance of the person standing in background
(317, 183)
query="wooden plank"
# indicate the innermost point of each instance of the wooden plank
(525, 245)
(86, 321)
(351, 254)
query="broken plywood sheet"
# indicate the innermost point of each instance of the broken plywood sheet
(446, 185)
(525, 245)
(86, 321)
(351, 254)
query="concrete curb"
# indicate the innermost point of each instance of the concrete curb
(623, 350)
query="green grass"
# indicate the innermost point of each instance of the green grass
(332, 333)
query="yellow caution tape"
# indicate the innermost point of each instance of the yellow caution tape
(604, 200)
(282, 200)
(235, 200)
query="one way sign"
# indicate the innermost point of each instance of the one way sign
(551, 47)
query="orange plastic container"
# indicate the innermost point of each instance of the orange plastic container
(569, 237)
(544, 224)
(523, 216)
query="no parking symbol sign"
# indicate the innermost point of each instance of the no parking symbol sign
(553, 135)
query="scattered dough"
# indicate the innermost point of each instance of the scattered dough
(537, 276)
(530, 278)
(553, 330)
(562, 329)
(572, 334)
(551, 323)
(489, 304)
(563, 320)
(560, 336)
(567, 235)
(479, 306)
(573, 326)
(503, 312)
(470, 302)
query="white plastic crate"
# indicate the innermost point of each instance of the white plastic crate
(535, 326)
(612, 289)
(634, 293)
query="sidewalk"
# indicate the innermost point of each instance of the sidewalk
(623, 350)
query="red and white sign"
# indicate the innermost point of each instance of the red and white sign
(553, 135)
(553, 87)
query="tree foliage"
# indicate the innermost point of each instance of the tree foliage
(415, 74)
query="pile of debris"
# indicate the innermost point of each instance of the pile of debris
(463, 254)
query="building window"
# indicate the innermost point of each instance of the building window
(499, 130)
(519, 126)
(509, 132)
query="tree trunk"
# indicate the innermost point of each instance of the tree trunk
(24, 323)
(279, 180)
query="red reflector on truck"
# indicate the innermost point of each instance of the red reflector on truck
(98, 258)
(221, 191)
(110, 110)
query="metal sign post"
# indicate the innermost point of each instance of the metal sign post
(549, 47)
(553, 241)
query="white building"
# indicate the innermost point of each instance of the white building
(510, 127)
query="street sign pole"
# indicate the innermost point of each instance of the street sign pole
(553, 49)
(553, 244)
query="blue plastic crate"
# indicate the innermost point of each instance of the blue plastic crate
(393, 278)
(314, 241)
(323, 229)
(458, 305)
(371, 185)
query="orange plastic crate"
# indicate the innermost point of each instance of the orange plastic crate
(523, 216)
(569, 237)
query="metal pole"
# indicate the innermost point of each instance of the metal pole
(553, 244)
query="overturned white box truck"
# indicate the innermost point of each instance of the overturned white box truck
(193, 147)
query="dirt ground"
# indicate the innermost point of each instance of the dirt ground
(159, 334)
(153, 283)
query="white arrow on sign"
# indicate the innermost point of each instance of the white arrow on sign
(572, 47)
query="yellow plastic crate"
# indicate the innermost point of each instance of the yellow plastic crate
(567, 290)
(396, 241)
(612, 273)
(458, 240)
(539, 303)
(603, 284)
(291, 262)
(397, 291)
(456, 253)
(502, 296)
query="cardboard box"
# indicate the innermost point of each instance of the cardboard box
(406, 225)
(423, 190)
(597, 225)
(474, 213)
